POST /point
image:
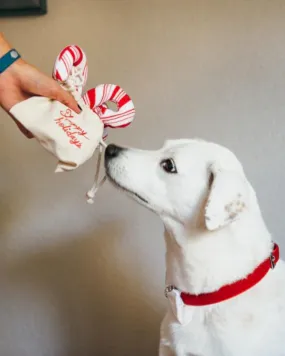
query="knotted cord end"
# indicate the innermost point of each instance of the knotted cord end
(90, 197)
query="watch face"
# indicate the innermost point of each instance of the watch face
(22, 7)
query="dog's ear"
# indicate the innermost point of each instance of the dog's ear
(228, 197)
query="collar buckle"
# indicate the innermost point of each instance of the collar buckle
(272, 261)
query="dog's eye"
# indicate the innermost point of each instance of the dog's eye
(168, 165)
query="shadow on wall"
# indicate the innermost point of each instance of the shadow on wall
(72, 299)
(94, 317)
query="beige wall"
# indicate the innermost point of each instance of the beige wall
(88, 280)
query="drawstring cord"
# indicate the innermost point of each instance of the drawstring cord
(76, 80)
(97, 184)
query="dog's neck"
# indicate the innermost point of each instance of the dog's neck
(200, 261)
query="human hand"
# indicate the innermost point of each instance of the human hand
(22, 81)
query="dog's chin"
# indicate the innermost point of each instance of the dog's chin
(129, 192)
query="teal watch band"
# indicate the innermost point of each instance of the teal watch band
(8, 59)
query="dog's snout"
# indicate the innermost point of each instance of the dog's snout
(112, 151)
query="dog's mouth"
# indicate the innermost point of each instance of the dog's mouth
(128, 191)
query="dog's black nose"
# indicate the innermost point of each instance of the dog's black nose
(112, 151)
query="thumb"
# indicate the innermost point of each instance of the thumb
(63, 96)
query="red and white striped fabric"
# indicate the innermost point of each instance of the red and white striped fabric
(71, 71)
(71, 64)
(96, 98)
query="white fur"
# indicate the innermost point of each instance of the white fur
(215, 235)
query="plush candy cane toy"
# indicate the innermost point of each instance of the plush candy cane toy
(71, 70)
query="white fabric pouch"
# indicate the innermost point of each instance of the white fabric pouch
(72, 138)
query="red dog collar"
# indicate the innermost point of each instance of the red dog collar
(231, 290)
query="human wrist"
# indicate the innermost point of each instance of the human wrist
(10, 76)
(5, 47)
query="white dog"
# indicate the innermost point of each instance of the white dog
(224, 283)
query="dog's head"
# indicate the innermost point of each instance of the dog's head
(182, 178)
